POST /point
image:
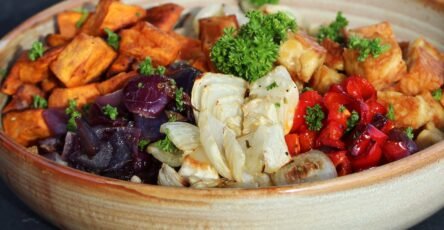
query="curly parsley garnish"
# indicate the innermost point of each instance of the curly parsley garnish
(146, 68)
(36, 51)
(314, 117)
(252, 52)
(272, 86)
(113, 39)
(352, 121)
(39, 102)
(83, 18)
(110, 111)
(179, 100)
(263, 2)
(333, 30)
(391, 112)
(367, 47)
(437, 94)
(73, 114)
(166, 145)
(409, 133)
(143, 144)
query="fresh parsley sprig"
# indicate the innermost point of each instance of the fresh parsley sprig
(352, 121)
(83, 18)
(36, 51)
(314, 117)
(110, 111)
(146, 68)
(259, 3)
(73, 114)
(391, 113)
(367, 47)
(409, 133)
(166, 145)
(113, 39)
(333, 30)
(39, 102)
(437, 94)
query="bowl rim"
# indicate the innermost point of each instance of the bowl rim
(404, 167)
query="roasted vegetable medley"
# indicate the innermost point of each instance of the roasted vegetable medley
(222, 96)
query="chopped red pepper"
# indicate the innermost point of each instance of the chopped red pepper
(293, 145)
(307, 140)
(331, 135)
(359, 88)
(341, 162)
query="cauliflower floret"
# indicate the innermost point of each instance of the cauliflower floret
(425, 68)
(301, 55)
(384, 70)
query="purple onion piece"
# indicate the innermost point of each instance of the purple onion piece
(148, 96)
(114, 99)
(56, 119)
(184, 75)
(90, 143)
(150, 127)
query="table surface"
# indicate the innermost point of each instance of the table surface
(14, 214)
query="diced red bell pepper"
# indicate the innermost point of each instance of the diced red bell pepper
(375, 107)
(398, 145)
(359, 88)
(331, 135)
(306, 99)
(341, 162)
(307, 140)
(293, 145)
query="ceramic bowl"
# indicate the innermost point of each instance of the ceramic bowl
(393, 196)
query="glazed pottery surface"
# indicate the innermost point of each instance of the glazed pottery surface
(393, 196)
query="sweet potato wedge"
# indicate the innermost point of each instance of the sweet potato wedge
(27, 71)
(54, 40)
(384, 70)
(115, 83)
(67, 23)
(165, 16)
(26, 127)
(83, 60)
(113, 15)
(190, 48)
(144, 40)
(60, 97)
(121, 64)
(425, 68)
(50, 83)
(23, 98)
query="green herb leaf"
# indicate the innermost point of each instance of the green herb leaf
(306, 88)
(367, 47)
(277, 104)
(258, 3)
(143, 144)
(391, 112)
(138, 14)
(146, 68)
(179, 100)
(166, 145)
(83, 18)
(251, 53)
(333, 30)
(73, 114)
(160, 70)
(314, 117)
(352, 121)
(110, 111)
(2, 72)
(272, 86)
(39, 102)
(342, 108)
(36, 51)
(437, 94)
(113, 39)
(409, 133)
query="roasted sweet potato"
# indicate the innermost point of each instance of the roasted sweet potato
(383, 70)
(60, 97)
(190, 48)
(425, 68)
(54, 40)
(211, 29)
(23, 98)
(50, 83)
(121, 64)
(165, 16)
(113, 15)
(67, 23)
(302, 56)
(83, 60)
(115, 83)
(27, 71)
(26, 127)
(144, 40)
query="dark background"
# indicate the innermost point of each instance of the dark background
(14, 214)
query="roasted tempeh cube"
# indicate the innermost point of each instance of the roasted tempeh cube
(60, 97)
(324, 77)
(334, 58)
(384, 70)
(144, 40)
(26, 127)
(164, 16)
(83, 60)
(301, 55)
(425, 68)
